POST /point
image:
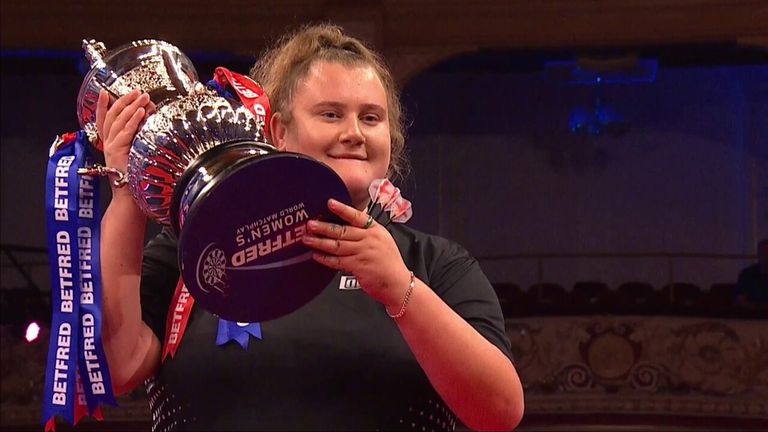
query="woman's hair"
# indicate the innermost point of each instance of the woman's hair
(281, 67)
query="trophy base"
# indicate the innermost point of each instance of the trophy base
(241, 217)
(206, 170)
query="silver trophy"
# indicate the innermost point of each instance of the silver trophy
(189, 120)
(200, 164)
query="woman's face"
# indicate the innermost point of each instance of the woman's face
(339, 117)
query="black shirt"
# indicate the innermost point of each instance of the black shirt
(337, 363)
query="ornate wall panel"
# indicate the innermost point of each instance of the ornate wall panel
(637, 366)
(648, 365)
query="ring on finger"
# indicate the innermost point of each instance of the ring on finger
(368, 222)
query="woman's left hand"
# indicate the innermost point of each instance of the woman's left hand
(370, 253)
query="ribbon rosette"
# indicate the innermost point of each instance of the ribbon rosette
(237, 331)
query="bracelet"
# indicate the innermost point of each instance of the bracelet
(401, 312)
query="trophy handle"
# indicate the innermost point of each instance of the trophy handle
(176, 82)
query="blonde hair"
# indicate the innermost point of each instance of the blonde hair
(282, 66)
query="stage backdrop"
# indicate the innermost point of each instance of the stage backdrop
(497, 168)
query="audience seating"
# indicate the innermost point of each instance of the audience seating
(723, 292)
(684, 298)
(591, 297)
(640, 298)
(629, 298)
(721, 299)
(547, 298)
(511, 299)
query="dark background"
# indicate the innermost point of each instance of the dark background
(676, 192)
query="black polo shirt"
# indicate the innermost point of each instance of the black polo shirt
(337, 363)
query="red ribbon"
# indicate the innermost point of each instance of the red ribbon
(176, 323)
(250, 92)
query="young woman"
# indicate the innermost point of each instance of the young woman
(420, 344)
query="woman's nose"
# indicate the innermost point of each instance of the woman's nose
(352, 134)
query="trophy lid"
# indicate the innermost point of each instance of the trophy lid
(153, 66)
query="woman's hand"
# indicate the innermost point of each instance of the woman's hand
(118, 124)
(132, 349)
(369, 253)
(476, 380)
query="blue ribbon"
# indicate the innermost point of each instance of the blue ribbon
(237, 331)
(94, 371)
(61, 224)
(219, 89)
(72, 222)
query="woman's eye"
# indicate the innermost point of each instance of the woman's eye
(330, 115)
(370, 118)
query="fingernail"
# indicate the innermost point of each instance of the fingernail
(312, 224)
(332, 203)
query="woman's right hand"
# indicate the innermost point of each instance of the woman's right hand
(132, 349)
(118, 124)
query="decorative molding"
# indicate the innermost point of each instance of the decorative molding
(642, 365)
(647, 366)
